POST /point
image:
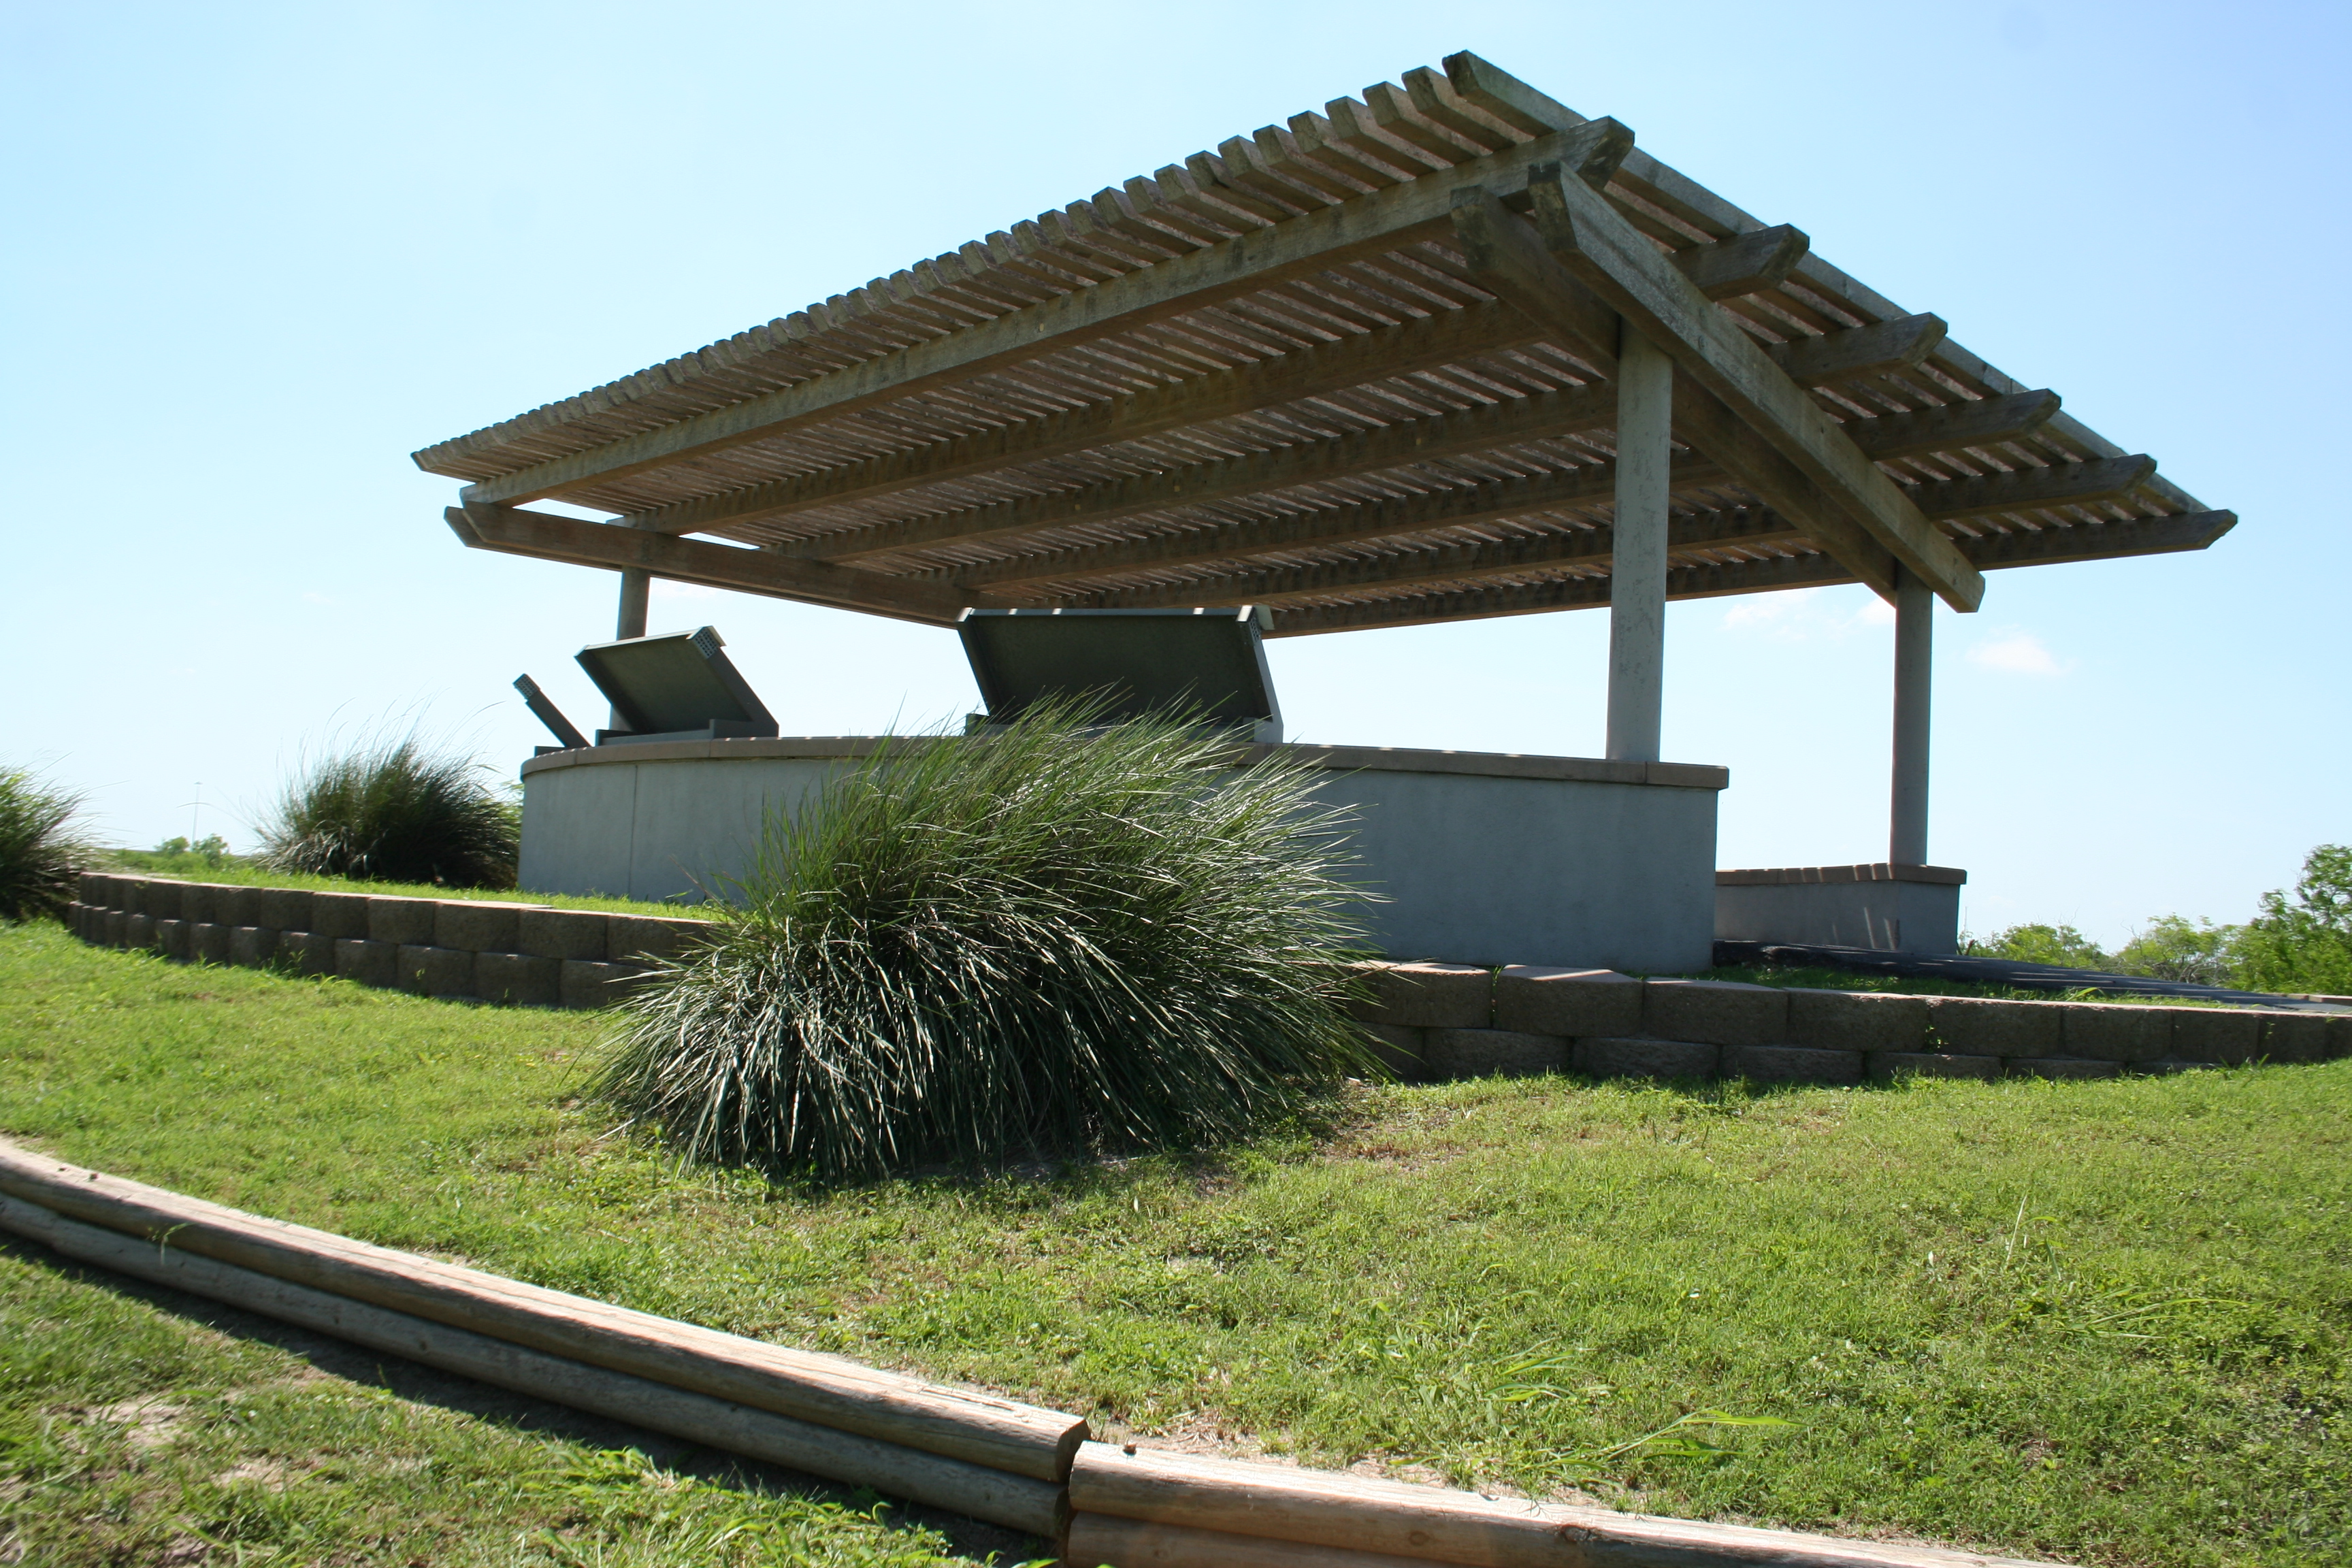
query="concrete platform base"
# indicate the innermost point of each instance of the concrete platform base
(1889, 909)
(1479, 858)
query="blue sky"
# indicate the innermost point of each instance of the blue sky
(257, 254)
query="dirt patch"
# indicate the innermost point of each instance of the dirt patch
(150, 1424)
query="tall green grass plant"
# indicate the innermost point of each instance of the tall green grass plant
(1058, 936)
(396, 809)
(40, 848)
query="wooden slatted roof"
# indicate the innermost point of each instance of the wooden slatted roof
(1355, 368)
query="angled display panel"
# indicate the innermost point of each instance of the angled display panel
(1208, 662)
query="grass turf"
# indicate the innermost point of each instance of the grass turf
(129, 1433)
(2103, 1320)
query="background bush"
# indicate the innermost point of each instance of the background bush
(40, 849)
(396, 810)
(2303, 943)
(1056, 937)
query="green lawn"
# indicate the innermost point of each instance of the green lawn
(2105, 1321)
(134, 1434)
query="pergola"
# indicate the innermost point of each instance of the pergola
(1446, 351)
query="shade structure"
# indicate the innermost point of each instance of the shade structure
(1356, 370)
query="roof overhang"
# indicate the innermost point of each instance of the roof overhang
(1356, 371)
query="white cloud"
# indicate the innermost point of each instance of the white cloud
(2015, 651)
(665, 589)
(1801, 614)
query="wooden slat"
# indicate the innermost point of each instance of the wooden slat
(1300, 246)
(546, 537)
(1442, 563)
(1378, 355)
(1629, 273)
(1962, 425)
(1566, 412)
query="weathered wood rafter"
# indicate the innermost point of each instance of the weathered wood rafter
(2147, 536)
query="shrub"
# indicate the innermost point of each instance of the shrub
(396, 811)
(2174, 947)
(1058, 937)
(2061, 945)
(41, 850)
(2304, 943)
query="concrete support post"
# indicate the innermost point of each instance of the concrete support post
(1914, 607)
(636, 592)
(1637, 565)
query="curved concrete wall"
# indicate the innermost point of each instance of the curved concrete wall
(1480, 858)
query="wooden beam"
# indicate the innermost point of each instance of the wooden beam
(1354, 522)
(536, 534)
(2044, 547)
(1955, 427)
(1563, 593)
(2100, 540)
(1746, 263)
(1444, 563)
(1560, 412)
(1959, 426)
(1382, 354)
(1627, 271)
(1507, 260)
(1874, 349)
(1314, 242)
(2030, 490)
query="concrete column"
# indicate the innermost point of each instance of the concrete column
(1915, 609)
(1637, 565)
(636, 590)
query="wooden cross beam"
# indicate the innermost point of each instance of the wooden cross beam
(2093, 541)
(1626, 271)
(547, 538)
(1588, 547)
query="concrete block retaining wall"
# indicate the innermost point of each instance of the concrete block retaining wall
(517, 953)
(1428, 1021)
(1452, 1021)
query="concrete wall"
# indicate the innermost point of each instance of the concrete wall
(1449, 1021)
(481, 950)
(1426, 1020)
(1480, 858)
(1889, 916)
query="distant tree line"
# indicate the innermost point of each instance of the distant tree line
(2299, 943)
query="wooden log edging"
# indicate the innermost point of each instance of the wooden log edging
(825, 1391)
(1137, 1506)
(967, 1488)
(975, 1454)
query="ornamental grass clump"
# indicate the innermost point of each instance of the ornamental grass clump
(1057, 938)
(396, 810)
(41, 850)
